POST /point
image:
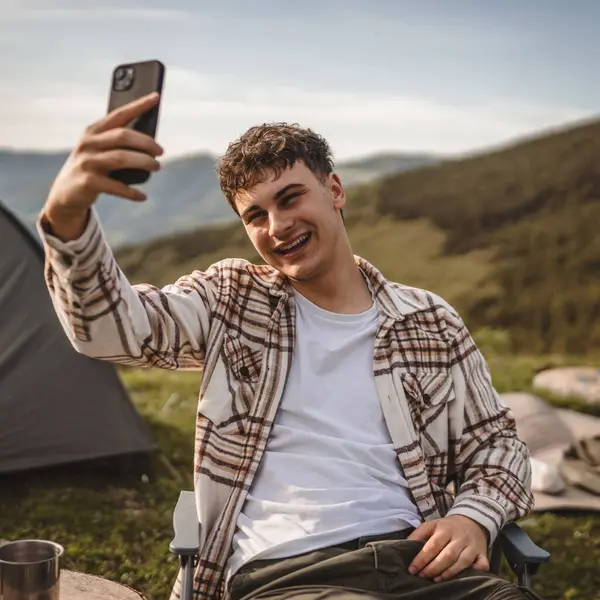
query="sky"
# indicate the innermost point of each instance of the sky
(440, 76)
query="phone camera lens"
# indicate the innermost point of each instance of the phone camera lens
(123, 78)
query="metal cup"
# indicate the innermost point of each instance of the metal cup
(30, 570)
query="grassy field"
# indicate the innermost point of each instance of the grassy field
(118, 525)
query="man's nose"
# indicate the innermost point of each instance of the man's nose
(279, 224)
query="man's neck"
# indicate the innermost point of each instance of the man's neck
(343, 290)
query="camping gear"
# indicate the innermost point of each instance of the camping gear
(56, 405)
(30, 569)
(549, 432)
(546, 478)
(580, 464)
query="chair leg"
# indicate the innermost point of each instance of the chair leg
(187, 564)
(525, 577)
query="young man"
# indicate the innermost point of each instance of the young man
(335, 406)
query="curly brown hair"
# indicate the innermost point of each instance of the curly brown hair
(269, 149)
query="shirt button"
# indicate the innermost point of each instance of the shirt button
(244, 371)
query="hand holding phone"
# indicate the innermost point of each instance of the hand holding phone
(113, 154)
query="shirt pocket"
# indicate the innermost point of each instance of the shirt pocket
(429, 394)
(230, 394)
(244, 361)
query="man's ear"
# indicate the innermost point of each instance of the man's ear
(337, 191)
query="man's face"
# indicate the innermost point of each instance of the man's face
(294, 221)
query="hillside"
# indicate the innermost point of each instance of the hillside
(509, 237)
(536, 206)
(183, 195)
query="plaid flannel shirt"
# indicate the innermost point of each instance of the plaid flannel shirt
(235, 321)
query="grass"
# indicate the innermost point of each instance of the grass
(117, 523)
(412, 252)
(112, 521)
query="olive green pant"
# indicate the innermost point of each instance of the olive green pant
(369, 568)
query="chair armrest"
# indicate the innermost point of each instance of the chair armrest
(186, 526)
(519, 549)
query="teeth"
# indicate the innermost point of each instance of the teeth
(291, 246)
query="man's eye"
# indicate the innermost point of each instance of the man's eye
(289, 198)
(254, 216)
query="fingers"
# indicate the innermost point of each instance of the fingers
(121, 137)
(465, 560)
(423, 532)
(452, 545)
(106, 146)
(436, 543)
(122, 116)
(481, 563)
(450, 562)
(111, 160)
(102, 184)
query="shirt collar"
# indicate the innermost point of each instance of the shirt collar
(389, 300)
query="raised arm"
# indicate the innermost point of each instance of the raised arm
(103, 315)
(106, 317)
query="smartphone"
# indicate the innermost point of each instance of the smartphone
(130, 82)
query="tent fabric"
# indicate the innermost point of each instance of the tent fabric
(56, 405)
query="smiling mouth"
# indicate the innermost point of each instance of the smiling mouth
(298, 243)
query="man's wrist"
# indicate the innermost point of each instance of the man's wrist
(470, 521)
(67, 225)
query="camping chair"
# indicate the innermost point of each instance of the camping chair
(523, 556)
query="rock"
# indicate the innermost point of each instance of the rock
(81, 586)
(578, 382)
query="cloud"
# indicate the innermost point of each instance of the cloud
(355, 123)
(203, 112)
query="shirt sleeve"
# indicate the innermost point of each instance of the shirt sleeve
(492, 463)
(105, 317)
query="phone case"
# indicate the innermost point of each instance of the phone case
(130, 82)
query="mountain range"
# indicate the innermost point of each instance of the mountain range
(184, 194)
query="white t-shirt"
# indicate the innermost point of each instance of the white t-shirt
(329, 473)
